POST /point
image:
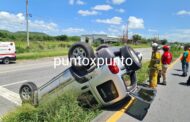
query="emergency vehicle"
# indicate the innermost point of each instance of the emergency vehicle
(7, 52)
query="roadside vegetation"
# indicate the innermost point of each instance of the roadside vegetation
(43, 45)
(42, 49)
(60, 109)
(142, 74)
(176, 51)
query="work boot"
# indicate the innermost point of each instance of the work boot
(164, 83)
(184, 74)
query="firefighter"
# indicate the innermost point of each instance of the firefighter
(166, 60)
(155, 65)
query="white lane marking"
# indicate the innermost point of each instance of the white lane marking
(10, 95)
(10, 84)
(16, 66)
(25, 69)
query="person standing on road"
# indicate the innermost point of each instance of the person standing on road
(166, 60)
(184, 61)
(188, 59)
(154, 66)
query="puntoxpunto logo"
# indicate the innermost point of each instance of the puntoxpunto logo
(60, 61)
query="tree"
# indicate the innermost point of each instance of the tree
(61, 37)
(144, 41)
(164, 41)
(136, 38)
(74, 38)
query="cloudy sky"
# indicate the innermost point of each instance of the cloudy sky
(167, 18)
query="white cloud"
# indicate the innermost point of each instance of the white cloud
(78, 2)
(180, 35)
(113, 21)
(71, 2)
(183, 12)
(120, 10)
(135, 23)
(87, 12)
(96, 32)
(16, 22)
(40, 25)
(116, 30)
(73, 30)
(152, 30)
(102, 7)
(118, 1)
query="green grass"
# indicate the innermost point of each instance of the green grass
(176, 52)
(142, 74)
(61, 109)
(41, 54)
(40, 49)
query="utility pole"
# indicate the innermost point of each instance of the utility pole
(27, 28)
(127, 33)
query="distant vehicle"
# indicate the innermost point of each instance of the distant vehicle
(7, 52)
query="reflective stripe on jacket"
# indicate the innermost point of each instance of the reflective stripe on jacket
(155, 62)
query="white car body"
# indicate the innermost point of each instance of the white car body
(106, 85)
(7, 50)
(96, 78)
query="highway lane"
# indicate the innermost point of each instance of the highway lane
(171, 103)
(14, 75)
(38, 71)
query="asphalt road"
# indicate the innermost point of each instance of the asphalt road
(171, 103)
(12, 76)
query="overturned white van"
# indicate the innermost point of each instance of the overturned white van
(7, 52)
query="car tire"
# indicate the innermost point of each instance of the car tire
(6, 61)
(82, 50)
(27, 91)
(128, 52)
(102, 46)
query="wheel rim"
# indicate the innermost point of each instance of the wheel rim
(6, 61)
(79, 54)
(26, 93)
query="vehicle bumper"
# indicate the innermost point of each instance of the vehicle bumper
(11, 58)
